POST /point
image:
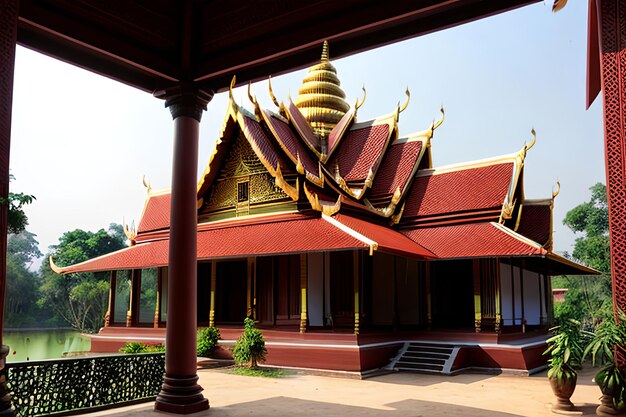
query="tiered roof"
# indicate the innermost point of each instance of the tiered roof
(370, 187)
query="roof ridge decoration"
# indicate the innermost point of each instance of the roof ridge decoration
(509, 202)
(130, 232)
(322, 206)
(321, 98)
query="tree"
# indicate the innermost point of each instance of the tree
(17, 219)
(79, 299)
(588, 299)
(22, 284)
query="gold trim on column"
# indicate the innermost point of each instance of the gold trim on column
(303, 293)
(249, 288)
(108, 319)
(429, 306)
(477, 301)
(213, 282)
(357, 310)
(498, 324)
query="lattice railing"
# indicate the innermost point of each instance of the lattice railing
(62, 385)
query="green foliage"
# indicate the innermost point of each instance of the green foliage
(262, 372)
(138, 347)
(588, 299)
(608, 334)
(23, 247)
(207, 340)
(566, 350)
(611, 382)
(250, 347)
(79, 300)
(17, 219)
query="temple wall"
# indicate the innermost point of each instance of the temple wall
(407, 291)
(315, 289)
(532, 298)
(506, 292)
(382, 289)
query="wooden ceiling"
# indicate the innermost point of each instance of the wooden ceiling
(154, 44)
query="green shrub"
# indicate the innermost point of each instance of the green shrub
(138, 347)
(250, 347)
(207, 340)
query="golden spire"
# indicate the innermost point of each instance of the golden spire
(320, 98)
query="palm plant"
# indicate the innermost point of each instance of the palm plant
(609, 335)
(566, 352)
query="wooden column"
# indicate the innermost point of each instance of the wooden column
(213, 283)
(181, 393)
(249, 268)
(357, 309)
(132, 316)
(429, 305)
(8, 36)
(498, 324)
(109, 318)
(477, 301)
(303, 296)
(611, 15)
(521, 289)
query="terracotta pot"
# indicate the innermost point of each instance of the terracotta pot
(606, 407)
(563, 390)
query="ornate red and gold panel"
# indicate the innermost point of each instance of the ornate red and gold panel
(612, 26)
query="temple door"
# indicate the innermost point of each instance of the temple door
(231, 292)
(265, 290)
(342, 288)
(288, 289)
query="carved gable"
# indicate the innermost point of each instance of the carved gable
(242, 187)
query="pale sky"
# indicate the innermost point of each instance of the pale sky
(81, 142)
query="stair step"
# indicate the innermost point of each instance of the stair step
(423, 360)
(427, 355)
(420, 366)
(429, 349)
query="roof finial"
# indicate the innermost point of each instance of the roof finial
(325, 56)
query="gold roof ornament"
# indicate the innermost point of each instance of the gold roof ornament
(320, 98)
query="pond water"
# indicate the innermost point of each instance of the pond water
(37, 344)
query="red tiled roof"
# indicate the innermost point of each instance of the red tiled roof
(302, 126)
(460, 190)
(396, 168)
(261, 142)
(338, 131)
(291, 143)
(359, 151)
(156, 213)
(473, 241)
(535, 222)
(260, 237)
(388, 240)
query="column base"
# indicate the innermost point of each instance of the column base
(181, 396)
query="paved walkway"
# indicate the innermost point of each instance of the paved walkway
(393, 395)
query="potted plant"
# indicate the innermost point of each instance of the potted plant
(566, 352)
(609, 336)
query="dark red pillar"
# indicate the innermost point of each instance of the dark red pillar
(181, 393)
(8, 33)
(611, 15)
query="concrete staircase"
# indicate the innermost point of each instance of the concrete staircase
(432, 358)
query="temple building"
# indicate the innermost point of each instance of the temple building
(347, 247)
